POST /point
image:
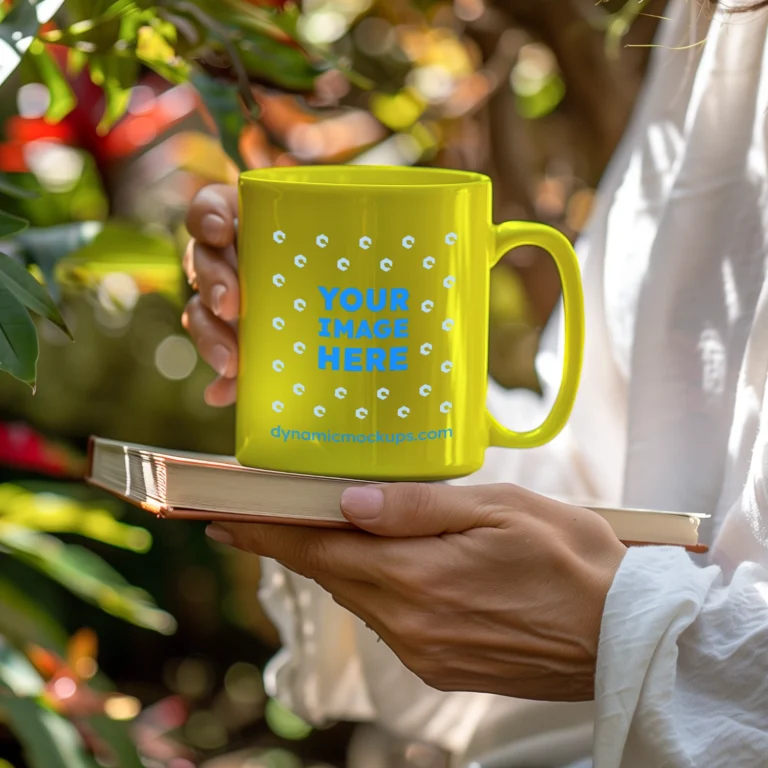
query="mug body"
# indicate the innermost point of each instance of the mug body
(364, 321)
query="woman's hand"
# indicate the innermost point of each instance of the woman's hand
(480, 588)
(210, 262)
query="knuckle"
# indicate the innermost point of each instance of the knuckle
(417, 496)
(206, 197)
(309, 553)
(204, 265)
(194, 304)
(415, 500)
(247, 538)
(194, 312)
(211, 269)
(422, 497)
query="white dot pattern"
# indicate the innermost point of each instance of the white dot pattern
(344, 264)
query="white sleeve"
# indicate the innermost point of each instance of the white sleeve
(332, 668)
(682, 676)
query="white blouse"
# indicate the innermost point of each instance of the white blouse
(670, 415)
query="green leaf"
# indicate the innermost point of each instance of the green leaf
(154, 40)
(86, 575)
(62, 98)
(151, 260)
(80, 10)
(245, 17)
(29, 292)
(48, 739)
(18, 338)
(93, 26)
(23, 621)
(17, 672)
(118, 736)
(281, 64)
(223, 104)
(152, 45)
(116, 75)
(7, 187)
(76, 61)
(154, 49)
(284, 723)
(55, 513)
(17, 31)
(10, 224)
(174, 72)
(130, 23)
(46, 246)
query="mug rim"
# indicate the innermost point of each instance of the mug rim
(421, 177)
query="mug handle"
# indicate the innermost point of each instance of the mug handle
(512, 234)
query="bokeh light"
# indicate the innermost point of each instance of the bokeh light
(192, 677)
(57, 167)
(122, 707)
(118, 292)
(33, 100)
(243, 684)
(64, 688)
(204, 729)
(323, 27)
(273, 758)
(175, 357)
(284, 723)
(374, 36)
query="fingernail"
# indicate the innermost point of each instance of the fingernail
(363, 503)
(213, 228)
(217, 533)
(219, 359)
(217, 294)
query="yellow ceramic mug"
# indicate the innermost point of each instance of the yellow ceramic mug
(364, 321)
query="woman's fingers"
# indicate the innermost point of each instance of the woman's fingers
(215, 340)
(210, 263)
(221, 392)
(214, 278)
(212, 214)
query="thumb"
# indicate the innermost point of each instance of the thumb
(417, 509)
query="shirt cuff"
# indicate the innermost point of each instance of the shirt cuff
(657, 593)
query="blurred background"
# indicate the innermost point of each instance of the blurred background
(132, 642)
